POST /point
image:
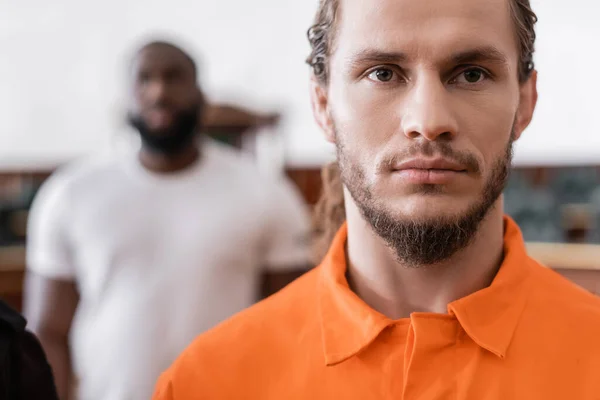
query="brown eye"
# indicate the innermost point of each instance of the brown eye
(382, 75)
(471, 76)
(143, 78)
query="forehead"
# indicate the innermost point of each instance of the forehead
(428, 29)
(160, 58)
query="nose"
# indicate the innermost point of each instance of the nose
(156, 92)
(428, 111)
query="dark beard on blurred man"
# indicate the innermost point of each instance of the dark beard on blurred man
(424, 243)
(181, 134)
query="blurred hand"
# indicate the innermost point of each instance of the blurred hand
(268, 119)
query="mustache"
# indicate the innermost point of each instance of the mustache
(431, 149)
(161, 105)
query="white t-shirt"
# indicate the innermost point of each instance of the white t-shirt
(158, 259)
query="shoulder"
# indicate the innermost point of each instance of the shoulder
(561, 322)
(269, 322)
(27, 357)
(270, 189)
(79, 176)
(263, 336)
(230, 159)
(237, 164)
(11, 319)
(562, 301)
(236, 170)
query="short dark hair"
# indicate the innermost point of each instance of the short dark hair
(170, 45)
(322, 36)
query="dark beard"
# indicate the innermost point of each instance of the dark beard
(427, 243)
(180, 135)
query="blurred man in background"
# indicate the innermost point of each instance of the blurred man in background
(427, 291)
(129, 258)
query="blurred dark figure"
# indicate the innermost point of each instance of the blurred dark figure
(129, 258)
(24, 371)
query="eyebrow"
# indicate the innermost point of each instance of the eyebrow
(376, 57)
(489, 54)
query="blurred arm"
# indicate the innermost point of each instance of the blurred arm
(225, 116)
(49, 306)
(288, 251)
(50, 294)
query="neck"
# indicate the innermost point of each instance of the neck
(397, 290)
(168, 163)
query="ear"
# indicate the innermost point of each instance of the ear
(528, 96)
(320, 106)
(203, 107)
(201, 98)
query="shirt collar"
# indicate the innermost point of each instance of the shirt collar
(488, 316)
(491, 315)
(348, 324)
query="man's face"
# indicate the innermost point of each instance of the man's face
(423, 102)
(166, 100)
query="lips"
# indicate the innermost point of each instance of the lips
(436, 164)
(159, 117)
(436, 171)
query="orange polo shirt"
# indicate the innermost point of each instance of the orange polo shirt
(530, 335)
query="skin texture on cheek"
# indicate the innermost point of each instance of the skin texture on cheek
(363, 123)
(371, 117)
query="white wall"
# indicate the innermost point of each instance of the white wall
(565, 129)
(63, 66)
(63, 72)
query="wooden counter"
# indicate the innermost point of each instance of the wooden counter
(12, 258)
(566, 256)
(578, 262)
(12, 271)
(555, 255)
